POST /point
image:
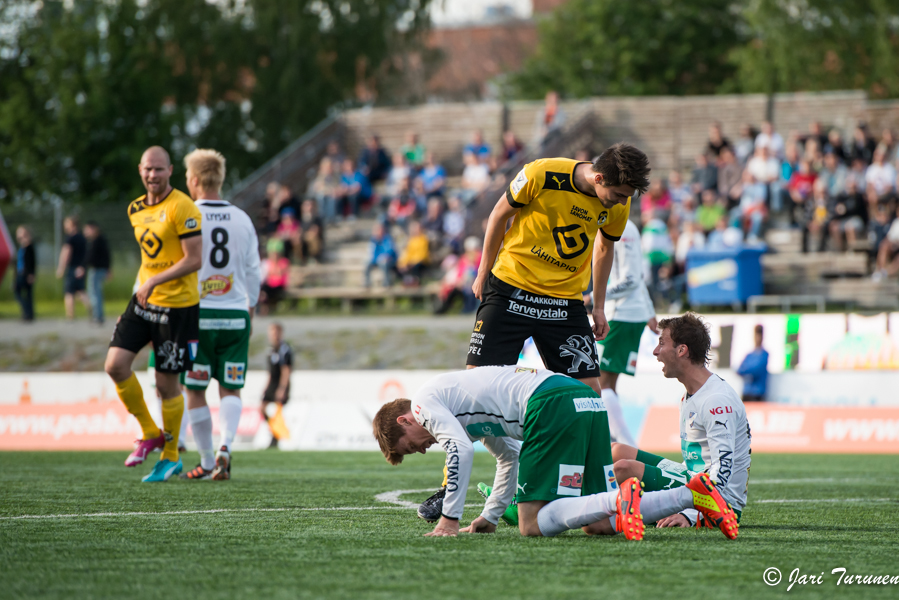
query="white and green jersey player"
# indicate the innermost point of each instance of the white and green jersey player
(715, 438)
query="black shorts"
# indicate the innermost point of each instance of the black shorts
(508, 316)
(174, 333)
(72, 284)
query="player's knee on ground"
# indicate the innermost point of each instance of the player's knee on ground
(529, 529)
(625, 469)
(601, 527)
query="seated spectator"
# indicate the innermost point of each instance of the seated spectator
(459, 275)
(812, 153)
(475, 175)
(374, 161)
(271, 207)
(691, 238)
(814, 217)
(402, 208)
(816, 132)
(382, 255)
(678, 190)
(862, 146)
(835, 144)
(730, 176)
(834, 174)
(857, 171)
(744, 147)
(477, 147)
(849, 216)
(433, 176)
(290, 234)
(716, 142)
(287, 201)
(710, 211)
(419, 196)
(399, 175)
(881, 175)
(705, 175)
(724, 237)
(889, 140)
(801, 182)
(770, 139)
(432, 223)
(656, 202)
(413, 262)
(549, 121)
(752, 210)
(888, 253)
(334, 153)
(511, 145)
(684, 212)
(275, 272)
(454, 224)
(879, 225)
(413, 150)
(354, 190)
(766, 169)
(325, 188)
(313, 232)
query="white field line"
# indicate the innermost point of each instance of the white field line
(821, 500)
(798, 481)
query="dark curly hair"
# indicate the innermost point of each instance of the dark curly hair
(623, 164)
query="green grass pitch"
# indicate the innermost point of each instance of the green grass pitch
(850, 518)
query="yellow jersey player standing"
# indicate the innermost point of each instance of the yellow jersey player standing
(164, 311)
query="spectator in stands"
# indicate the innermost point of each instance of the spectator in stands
(71, 267)
(690, 238)
(454, 224)
(271, 207)
(419, 196)
(398, 178)
(287, 200)
(658, 251)
(801, 182)
(98, 262)
(433, 176)
(334, 153)
(374, 160)
(402, 207)
(511, 145)
(459, 273)
(754, 370)
(432, 224)
(475, 175)
(550, 120)
(705, 175)
(683, 212)
(812, 153)
(813, 215)
(744, 147)
(477, 147)
(290, 234)
(678, 190)
(716, 142)
(354, 190)
(770, 139)
(730, 176)
(857, 171)
(766, 169)
(888, 254)
(413, 151)
(313, 232)
(889, 140)
(26, 270)
(656, 202)
(710, 211)
(752, 211)
(862, 146)
(834, 174)
(724, 237)
(414, 260)
(881, 175)
(879, 225)
(836, 145)
(849, 215)
(816, 132)
(276, 269)
(382, 255)
(325, 189)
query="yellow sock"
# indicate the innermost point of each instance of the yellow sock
(445, 476)
(172, 411)
(132, 397)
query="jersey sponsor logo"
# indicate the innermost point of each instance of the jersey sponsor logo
(722, 423)
(478, 325)
(558, 182)
(692, 453)
(169, 357)
(631, 363)
(190, 223)
(479, 430)
(580, 348)
(198, 375)
(546, 256)
(720, 410)
(235, 372)
(691, 418)
(611, 481)
(574, 244)
(525, 297)
(217, 285)
(571, 480)
(162, 217)
(165, 264)
(726, 461)
(602, 218)
(519, 182)
(452, 465)
(150, 315)
(525, 370)
(228, 325)
(150, 243)
(581, 213)
(589, 405)
(541, 314)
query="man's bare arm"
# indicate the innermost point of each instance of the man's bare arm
(493, 239)
(603, 255)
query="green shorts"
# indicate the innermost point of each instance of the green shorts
(618, 352)
(566, 449)
(222, 351)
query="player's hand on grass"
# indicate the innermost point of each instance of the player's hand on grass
(677, 520)
(144, 292)
(445, 528)
(600, 325)
(480, 525)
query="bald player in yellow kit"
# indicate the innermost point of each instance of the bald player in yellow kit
(165, 310)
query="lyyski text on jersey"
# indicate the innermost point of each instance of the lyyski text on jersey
(216, 216)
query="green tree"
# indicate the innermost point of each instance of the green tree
(609, 47)
(814, 45)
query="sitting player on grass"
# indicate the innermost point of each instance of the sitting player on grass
(560, 469)
(714, 431)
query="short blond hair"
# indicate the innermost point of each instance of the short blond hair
(208, 166)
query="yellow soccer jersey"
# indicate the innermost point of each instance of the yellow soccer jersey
(159, 230)
(549, 248)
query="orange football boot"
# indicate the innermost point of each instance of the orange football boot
(629, 520)
(708, 500)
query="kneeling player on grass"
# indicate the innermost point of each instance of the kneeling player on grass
(714, 432)
(229, 288)
(560, 469)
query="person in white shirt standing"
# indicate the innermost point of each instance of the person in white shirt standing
(714, 431)
(628, 310)
(561, 472)
(229, 288)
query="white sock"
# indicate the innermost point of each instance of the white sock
(617, 426)
(571, 513)
(182, 436)
(229, 418)
(658, 505)
(201, 423)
